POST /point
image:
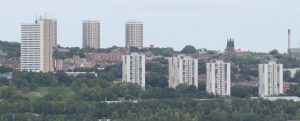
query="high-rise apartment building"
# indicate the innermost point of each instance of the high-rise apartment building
(134, 34)
(37, 42)
(50, 26)
(183, 70)
(134, 69)
(270, 79)
(218, 78)
(91, 34)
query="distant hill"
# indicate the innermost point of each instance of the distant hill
(11, 48)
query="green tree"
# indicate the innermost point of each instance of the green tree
(189, 49)
(274, 52)
(4, 69)
(134, 49)
(243, 92)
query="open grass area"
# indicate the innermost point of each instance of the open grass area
(66, 92)
(43, 90)
(31, 96)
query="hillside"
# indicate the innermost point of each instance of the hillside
(11, 48)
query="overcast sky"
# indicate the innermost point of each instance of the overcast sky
(257, 25)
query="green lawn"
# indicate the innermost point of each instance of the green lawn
(66, 92)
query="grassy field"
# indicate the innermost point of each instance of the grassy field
(66, 92)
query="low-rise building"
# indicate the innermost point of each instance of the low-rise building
(76, 61)
(287, 86)
(13, 63)
(292, 71)
(114, 56)
(80, 73)
(7, 75)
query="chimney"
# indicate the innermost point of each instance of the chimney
(289, 39)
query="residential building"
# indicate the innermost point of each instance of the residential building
(77, 62)
(218, 79)
(134, 34)
(12, 62)
(75, 74)
(91, 34)
(270, 79)
(115, 55)
(183, 70)
(292, 71)
(287, 98)
(37, 42)
(134, 69)
(288, 85)
(59, 64)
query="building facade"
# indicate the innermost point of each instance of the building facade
(270, 79)
(91, 34)
(218, 81)
(134, 69)
(183, 70)
(292, 71)
(115, 55)
(37, 42)
(134, 34)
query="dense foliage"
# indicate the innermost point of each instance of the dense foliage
(12, 49)
(167, 52)
(81, 99)
(189, 49)
(55, 97)
(73, 51)
(243, 68)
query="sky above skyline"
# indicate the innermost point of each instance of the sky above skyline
(256, 25)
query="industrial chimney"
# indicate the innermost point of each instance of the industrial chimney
(289, 39)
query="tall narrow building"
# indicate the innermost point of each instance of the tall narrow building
(134, 69)
(50, 26)
(183, 70)
(37, 42)
(91, 34)
(218, 78)
(270, 79)
(134, 34)
(230, 47)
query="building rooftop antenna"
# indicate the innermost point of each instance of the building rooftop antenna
(36, 17)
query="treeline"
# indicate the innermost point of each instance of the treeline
(150, 110)
(82, 98)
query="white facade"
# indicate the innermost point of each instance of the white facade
(134, 69)
(270, 79)
(37, 41)
(183, 70)
(218, 79)
(31, 47)
(292, 71)
(91, 34)
(134, 34)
